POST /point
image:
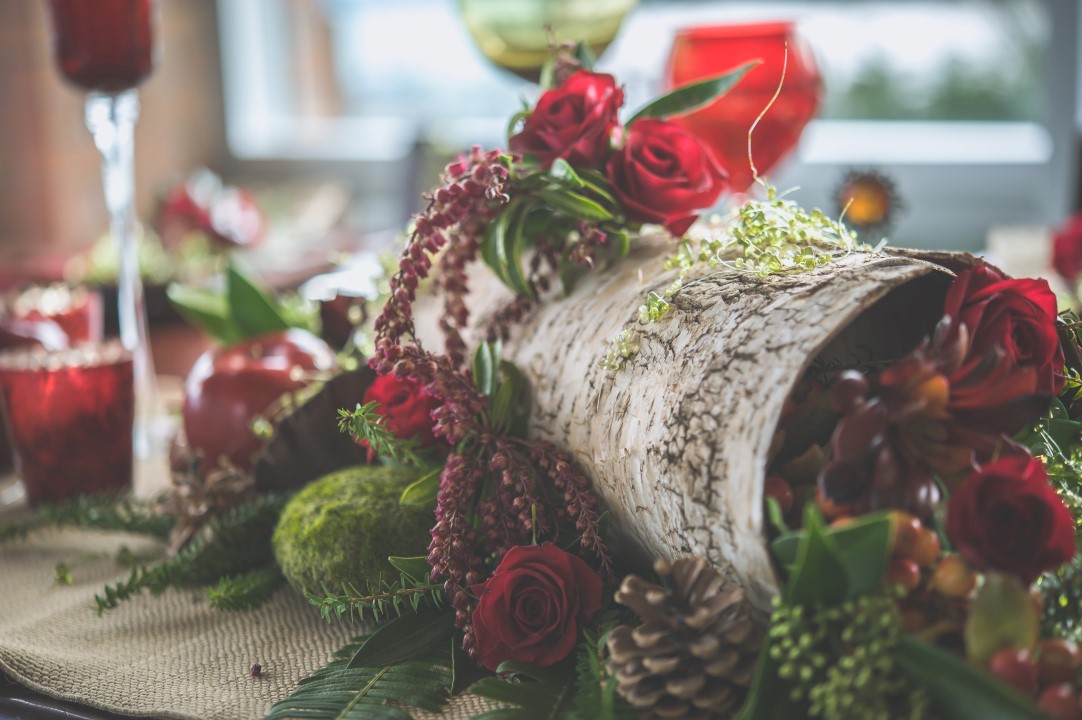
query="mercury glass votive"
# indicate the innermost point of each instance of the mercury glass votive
(69, 417)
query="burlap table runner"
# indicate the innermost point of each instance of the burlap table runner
(169, 656)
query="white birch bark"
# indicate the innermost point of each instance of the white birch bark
(677, 441)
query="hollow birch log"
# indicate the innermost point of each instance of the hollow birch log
(677, 441)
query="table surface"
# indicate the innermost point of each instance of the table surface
(19, 703)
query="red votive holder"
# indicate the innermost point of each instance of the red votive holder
(103, 45)
(69, 416)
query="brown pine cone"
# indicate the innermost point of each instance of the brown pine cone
(695, 653)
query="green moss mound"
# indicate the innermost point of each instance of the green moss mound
(342, 527)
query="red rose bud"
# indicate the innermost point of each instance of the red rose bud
(574, 121)
(405, 407)
(1007, 517)
(1067, 249)
(1012, 362)
(532, 607)
(229, 216)
(664, 174)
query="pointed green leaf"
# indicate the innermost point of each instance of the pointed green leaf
(416, 568)
(598, 185)
(253, 311)
(864, 549)
(515, 241)
(768, 697)
(693, 96)
(961, 692)
(623, 242)
(575, 205)
(404, 637)
(818, 577)
(207, 310)
(484, 370)
(422, 491)
(562, 172)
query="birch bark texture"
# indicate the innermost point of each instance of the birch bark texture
(677, 441)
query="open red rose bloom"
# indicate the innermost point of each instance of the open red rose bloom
(533, 606)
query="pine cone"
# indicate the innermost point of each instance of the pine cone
(695, 653)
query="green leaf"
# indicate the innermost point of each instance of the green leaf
(597, 184)
(623, 242)
(423, 491)
(514, 241)
(776, 517)
(693, 96)
(503, 404)
(768, 697)
(253, 311)
(484, 367)
(416, 568)
(512, 124)
(575, 205)
(207, 310)
(562, 172)
(960, 692)
(404, 637)
(338, 692)
(818, 577)
(862, 548)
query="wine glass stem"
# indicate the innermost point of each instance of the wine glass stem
(111, 120)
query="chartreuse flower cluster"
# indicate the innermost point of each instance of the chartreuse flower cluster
(761, 237)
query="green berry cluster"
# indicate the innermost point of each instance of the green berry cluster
(625, 345)
(837, 661)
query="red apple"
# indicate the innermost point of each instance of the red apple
(229, 387)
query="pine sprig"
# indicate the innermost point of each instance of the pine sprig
(596, 696)
(234, 543)
(100, 512)
(245, 592)
(366, 423)
(377, 600)
(338, 692)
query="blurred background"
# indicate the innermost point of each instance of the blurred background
(337, 114)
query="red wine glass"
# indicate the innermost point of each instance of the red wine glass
(702, 52)
(106, 47)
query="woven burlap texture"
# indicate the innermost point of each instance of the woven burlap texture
(169, 656)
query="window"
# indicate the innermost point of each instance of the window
(968, 105)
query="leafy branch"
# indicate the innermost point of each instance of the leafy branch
(245, 592)
(101, 512)
(377, 600)
(366, 423)
(231, 544)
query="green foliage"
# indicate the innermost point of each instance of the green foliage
(242, 310)
(95, 512)
(405, 636)
(533, 693)
(234, 543)
(339, 692)
(245, 592)
(596, 696)
(378, 599)
(506, 387)
(366, 423)
(343, 527)
(960, 691)
(1062, 592)
(691, 97)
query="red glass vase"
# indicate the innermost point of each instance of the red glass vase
(702, 52)
(103, 45)
(69, 416)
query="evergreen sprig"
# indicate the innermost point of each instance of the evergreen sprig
(366, 423)
(338, 692)
(596, 696)
(99, 512)
(377, 600)
(245, 592)
(234, 543)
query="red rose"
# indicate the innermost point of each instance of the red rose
(531, 609)
(663, 174)
(1010, 362)
(1067, 249)
(1007, 517)
(573, 121)
(406, 409)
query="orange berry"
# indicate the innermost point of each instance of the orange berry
(903, 573)
(1059, 702)
(904, 531)
(953, 578)
(935, 391)
(776, 487)
(926, 549)
(1058, 661)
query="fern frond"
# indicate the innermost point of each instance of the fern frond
(366, 423)
(337, 692)
(98, 512)
(378, 600)
(245, 592)
(596, 697)
(234, 543)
